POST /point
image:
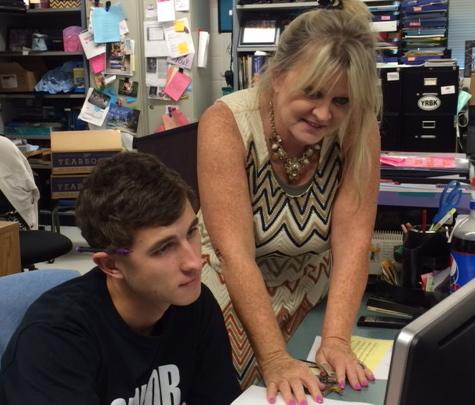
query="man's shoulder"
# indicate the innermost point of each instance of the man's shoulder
(67, 301)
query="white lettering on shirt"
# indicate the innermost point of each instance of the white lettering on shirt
(161, 389)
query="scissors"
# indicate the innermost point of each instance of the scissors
(449, 198)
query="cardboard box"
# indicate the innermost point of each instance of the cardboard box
(75, 152)
(67, 186)
(16, 79)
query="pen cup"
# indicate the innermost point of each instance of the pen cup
(423, 252)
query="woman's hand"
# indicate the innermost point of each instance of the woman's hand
(290, 377)
(337, 353)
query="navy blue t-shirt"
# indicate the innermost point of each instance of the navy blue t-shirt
(72, 347)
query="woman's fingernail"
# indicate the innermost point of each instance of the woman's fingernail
(303, 402)
(292, 402)
(357, 387)
(271, 400)
(319, 399)
(371, 377)
(341, 384)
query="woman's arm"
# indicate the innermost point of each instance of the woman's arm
(351, 232)
(227, 211)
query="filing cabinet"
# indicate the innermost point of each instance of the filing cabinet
(428, 89)
(390, 131)
(419, 109)
(392, 90)
(428, 133)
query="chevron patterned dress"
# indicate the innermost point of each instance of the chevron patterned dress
(291, 230)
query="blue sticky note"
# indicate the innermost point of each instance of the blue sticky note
(105, 24)
(130, 100)
(111, 93)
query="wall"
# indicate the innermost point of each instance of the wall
(219, 52)
(461, 27)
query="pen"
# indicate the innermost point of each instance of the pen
(118, 251)
(423, 220)
(443, 220)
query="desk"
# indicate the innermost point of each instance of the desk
(311, 326)
(9, 248)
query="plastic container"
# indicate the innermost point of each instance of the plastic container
(463, 252)
(71, 39)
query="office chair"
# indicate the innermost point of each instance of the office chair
(36, 246)
(18, 291)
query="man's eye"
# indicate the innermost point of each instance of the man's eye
(341, 100)
(192, 232)
(163, 249)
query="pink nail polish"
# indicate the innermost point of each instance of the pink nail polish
(319, 399)
(357, 387)
(364, 383)
(271, 400)
(303, 402)
(342, 385)
(292, 402)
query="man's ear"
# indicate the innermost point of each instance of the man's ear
(108, 264)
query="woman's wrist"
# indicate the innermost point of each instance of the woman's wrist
(339, 338)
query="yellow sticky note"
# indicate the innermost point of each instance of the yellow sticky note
(183, 48)
(370, 351)
(179, 26)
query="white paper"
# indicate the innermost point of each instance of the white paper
(150, 11)
(182, 5)
(90, 48)
(381, 372)
(165, 10)
(392, 76)
(123, 28)
(447, 90)
(93, 113)
(179, 43)
(185, 62)
(156, 72)
(154, 40)
(255, 395)
(109, 79)
(203, 44)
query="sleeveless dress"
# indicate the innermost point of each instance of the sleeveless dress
(291, 230)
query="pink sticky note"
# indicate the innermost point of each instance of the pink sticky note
(98, 63)
(177, 85)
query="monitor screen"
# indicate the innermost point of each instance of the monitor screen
(176, 148)
(433, 358)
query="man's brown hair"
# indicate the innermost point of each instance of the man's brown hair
(128, 192)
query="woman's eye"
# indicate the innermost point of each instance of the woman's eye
(311, 93)
(341, 100)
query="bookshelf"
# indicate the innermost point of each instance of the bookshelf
(26, 113)
(248, 16)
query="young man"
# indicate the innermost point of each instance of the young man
(139, 329)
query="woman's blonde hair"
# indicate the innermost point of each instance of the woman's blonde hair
(329, 43)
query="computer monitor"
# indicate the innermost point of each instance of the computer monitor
(176, 148)
(433, 358)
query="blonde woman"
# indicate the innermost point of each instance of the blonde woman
(288, 176)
